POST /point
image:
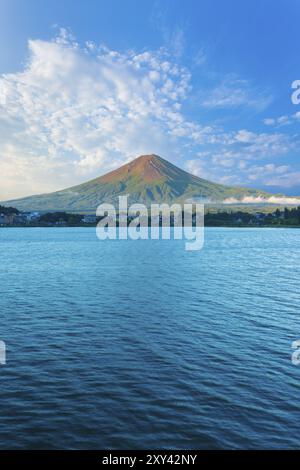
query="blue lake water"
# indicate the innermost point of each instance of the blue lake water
(141, 344)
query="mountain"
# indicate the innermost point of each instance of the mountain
(147, 179)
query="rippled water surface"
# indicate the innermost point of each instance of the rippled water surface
(136, 344)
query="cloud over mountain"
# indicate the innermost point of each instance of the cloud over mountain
(75, 112)
(85, 109)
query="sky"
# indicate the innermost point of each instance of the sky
(86, 86)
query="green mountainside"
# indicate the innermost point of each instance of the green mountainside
(147, 179)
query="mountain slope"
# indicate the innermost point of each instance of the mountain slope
(147, 179)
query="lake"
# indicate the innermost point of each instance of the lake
(141, 344)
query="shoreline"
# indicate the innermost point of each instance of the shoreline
(205, 226)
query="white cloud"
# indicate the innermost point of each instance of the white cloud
(283, 120)
(262, 145)
(201, 57)
(245, 136)
(77, 111)
(234, 92)
(287, 180)
(177, 41)
(297, 115)
(263, 200)
(198, 168)
(266, 172)
(240, 168)
(269, 121)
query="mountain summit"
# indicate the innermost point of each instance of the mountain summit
(147, 179)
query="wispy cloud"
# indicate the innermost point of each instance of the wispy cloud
(283, 120)
(263, 200)
(239, 160)
(234, 92)
(173, 36)
(201, 57)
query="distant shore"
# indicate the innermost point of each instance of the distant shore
(205, 226)
(284, 218)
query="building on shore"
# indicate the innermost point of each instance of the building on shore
(89, 219)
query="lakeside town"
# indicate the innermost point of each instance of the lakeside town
(284, 217)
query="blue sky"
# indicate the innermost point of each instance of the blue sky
(85, 86)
